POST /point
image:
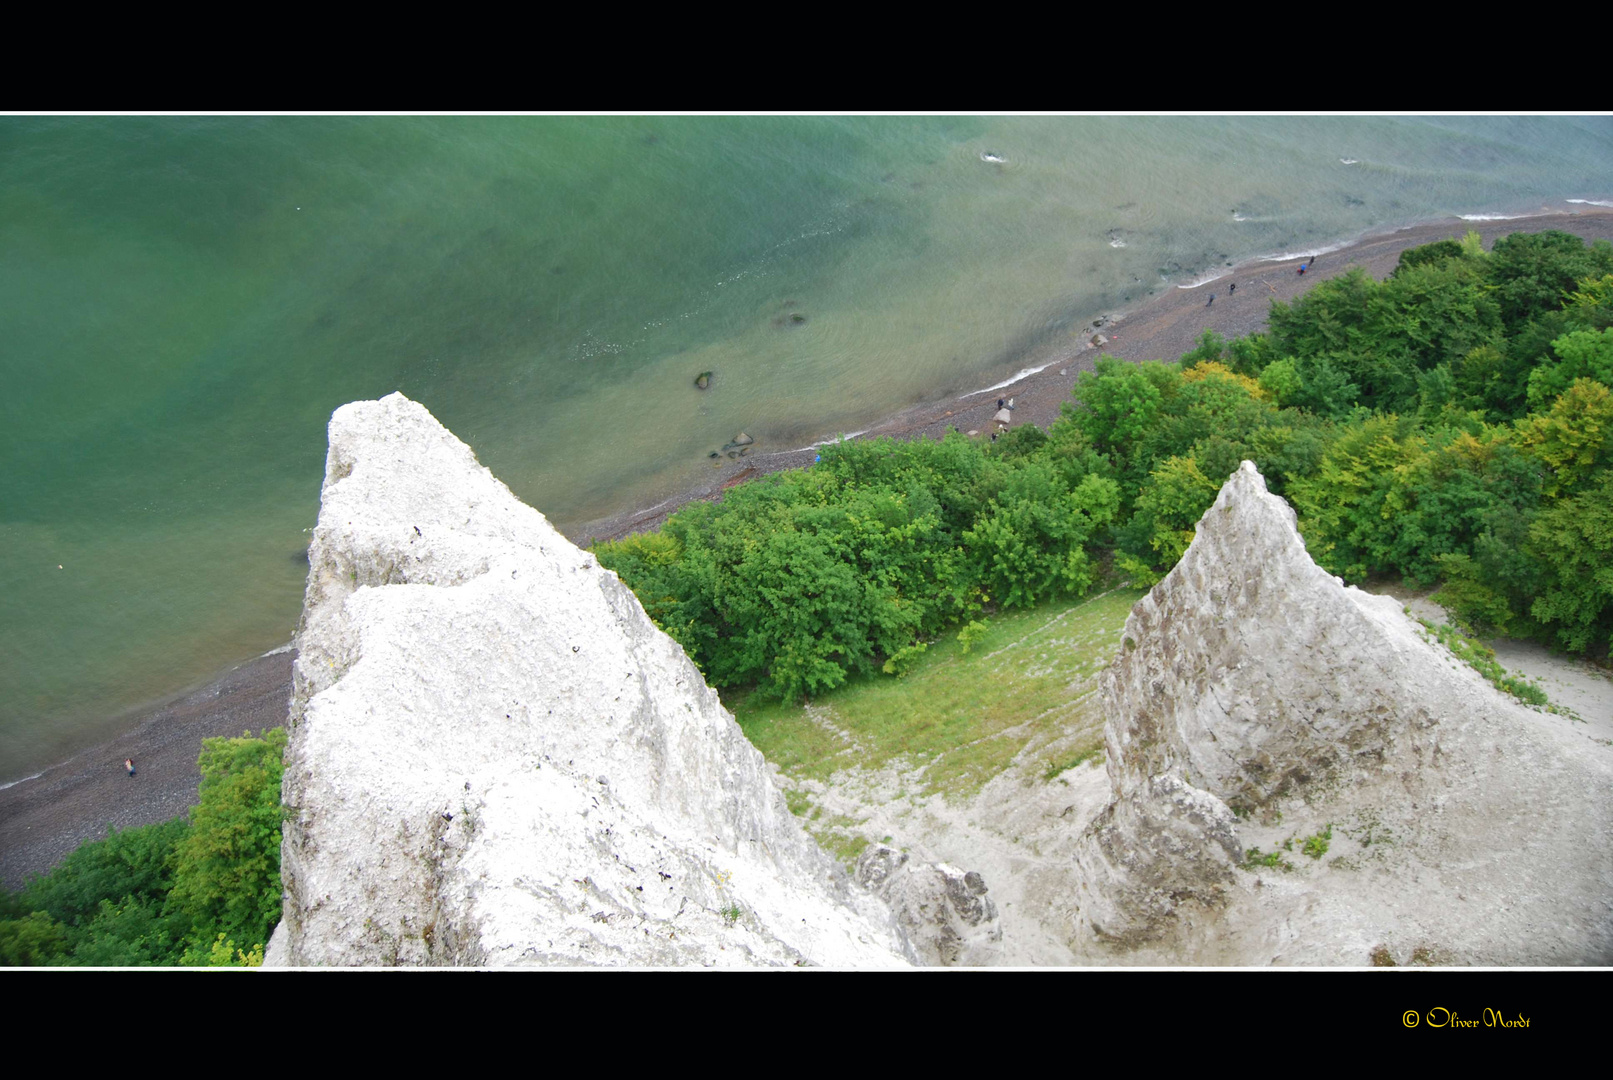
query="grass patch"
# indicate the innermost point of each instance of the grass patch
(1254, 859)
(962, 715)
(836, 836)
(1316, 846)
(1055, 767)
(1481, 658)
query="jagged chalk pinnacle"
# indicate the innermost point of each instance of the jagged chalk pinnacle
(1250, 684)
(496, 758)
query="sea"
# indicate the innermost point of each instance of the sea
(184, 301)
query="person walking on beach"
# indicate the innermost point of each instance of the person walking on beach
(128, 763)
(1211, 300)
(1232, 288)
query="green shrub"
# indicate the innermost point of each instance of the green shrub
(168, 893)
(227, 867)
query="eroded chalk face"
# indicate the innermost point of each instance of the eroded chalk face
(1257, 704)
(497, 758)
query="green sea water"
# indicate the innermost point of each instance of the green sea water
(183, 301)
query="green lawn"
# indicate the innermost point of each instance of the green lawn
(1029, 682)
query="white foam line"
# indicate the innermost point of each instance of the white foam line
(24, 780)
(1291, 256)
(287, 647)
(1592, 202)
(1492, 217)
(1024, 373)
(1215, 276)
(829, 442)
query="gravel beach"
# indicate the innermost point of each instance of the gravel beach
(43, 818)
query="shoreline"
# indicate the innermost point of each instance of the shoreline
(1164, 326)
(45, 816)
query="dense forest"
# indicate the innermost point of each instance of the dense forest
(1450, 425)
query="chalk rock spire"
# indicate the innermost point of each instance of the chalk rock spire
(1255, 700)
(496, 757)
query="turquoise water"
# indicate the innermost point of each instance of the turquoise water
(185, 300)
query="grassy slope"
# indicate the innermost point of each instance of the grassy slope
(1028, 687)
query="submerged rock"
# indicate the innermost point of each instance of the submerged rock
(703, 380)
(1256, 700)
(496, 758)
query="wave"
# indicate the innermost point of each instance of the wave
(846, 437)
(24, 780)
(1291, 256)
(1213, 275)
(1349, 161)
(1117, 243)
(1492, 217)
(1591, 202)
(287, 647)
(1023, 373)
(996, 159)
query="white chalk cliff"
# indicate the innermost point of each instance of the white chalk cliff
(496, 758)
(1258, 703)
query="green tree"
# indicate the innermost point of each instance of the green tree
(1575, 540)
(1117, 403)
(129, 863)
(1583, 354)
(1210, 348)
(31, 941)
(1437, 252)
(1574, 438)
(106, 901)
(1029, 546)
(1532, 273)
(227, 867)
(1281, 381)
(1169, 507)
